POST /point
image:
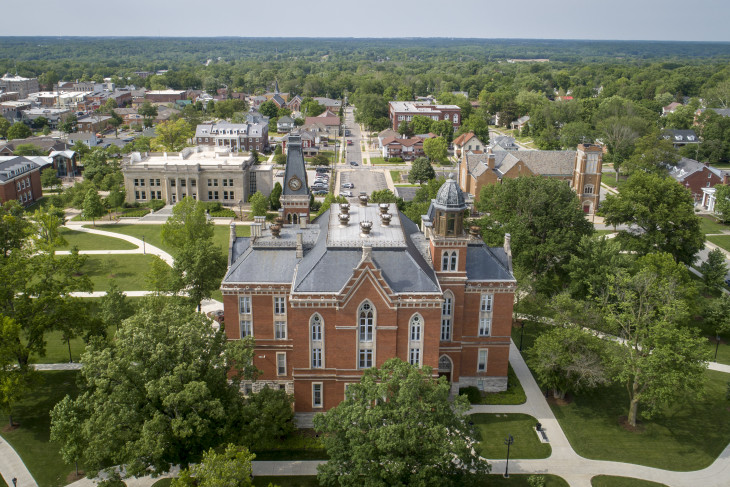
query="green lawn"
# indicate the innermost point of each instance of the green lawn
(711, 225)
(153, 234)
(127, 270)
(494, 428)
(31, 438)
(492, 480)
(57, 349)
(90, 241)
(604, 232)
(721, 241)
(514, 394)
(395, 175)
(687, 436)
(610, 481)
(301, 445)
(162, 483)
(380, 160)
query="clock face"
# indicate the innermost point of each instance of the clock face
(295, 183)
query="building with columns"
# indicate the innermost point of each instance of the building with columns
(205, 173)
(326, 298)
(234, 136)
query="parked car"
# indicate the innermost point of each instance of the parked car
(280, 174)
(322, 170)
(320, 191)
(353, 163)
(348, 185)
(347, 194)
(349, 142)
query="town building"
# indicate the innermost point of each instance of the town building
(202, 172)
(165, 96)
(468, 142)
(406, 149)
(680, 138)
(329, 297)
(403, 111)
(46, 144)
(23, 86)
(327, 120)
(581, 168)
(20, 179)
(93, 123)
(235, 136)
(697, 177)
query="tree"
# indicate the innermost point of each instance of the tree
(421, 124)
(269, 417)
(445, 129)
(311, 108)
(259, 204)
(397, 426)
(717, 315)
(172, 136)
(652, 153)
(66, 431)
(4, 126)
(545, 221)
(405, 129)
(15, 381)
(320, 160)
(93, 207)
(269, 109)
(421, 171)
(592, 261)
(386, 196)
(29, 150)
(162, 393)
(232, 468)
(275, 196)
(19, 130)
(116, 121)
(722, 202)
(148, 111)
(569, 359)
(116, 197)
(714, 269)
(188, 223)
(114, 307)
(478, 124)
(49, 178)
(658, 359)
(199, 267)
(436, 149)
(662, 210)
(69, 124)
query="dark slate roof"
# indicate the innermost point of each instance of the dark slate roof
(486, 263)
(295, 166)
(13, 166)
(686, 167)
(725, 112)
(270, 265)
(450, 196)
(680, 135)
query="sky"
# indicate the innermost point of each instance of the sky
(680, 20)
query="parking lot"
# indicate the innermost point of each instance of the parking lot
(364, 179)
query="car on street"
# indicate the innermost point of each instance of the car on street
(349, 142)
(320, 191)
(348, 185)
(347, 194)
(353, 163)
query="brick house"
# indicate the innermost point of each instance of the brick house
(695, 176)
(328, 298)
(165, 96)
(581, 168)
(93, 123)
(406, 149)
(403, 111)
(20, 179)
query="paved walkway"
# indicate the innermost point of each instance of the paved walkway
(12, 466)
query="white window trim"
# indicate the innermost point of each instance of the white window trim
(321, 395)
(416, 344)
(241, 309)
(278, 372)
(486, 359)
(286, 332)
(240, 327)
(314, 344)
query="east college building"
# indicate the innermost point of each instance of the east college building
(326, 299)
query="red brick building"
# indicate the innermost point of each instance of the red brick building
(20, 179)
(328, 298)
(403, 111)
(695, 175)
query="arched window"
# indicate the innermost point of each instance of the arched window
(416, 328)
(294, 218)
(588, 189)
(316, 326)
(446, 316)
(445, 261)
(453, 261)
(366, 322)
(288, 218)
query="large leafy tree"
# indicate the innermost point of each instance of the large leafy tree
(545, 221)
(172, 136)
(714, 269)
(199, 267)
(397, 426)
(19, 130)
(595, 258)
(162, 393)
(15, 381)
(188, 223)
(93, 207)
(421, 171)
(259, 204)
(659, 359)
(660, 215)
(722, 202)
(231, 468)
(436, 149)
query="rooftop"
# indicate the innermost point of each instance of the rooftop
(351, 235)
(203, 155)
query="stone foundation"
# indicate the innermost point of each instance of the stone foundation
(486, 384)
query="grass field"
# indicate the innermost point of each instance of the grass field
(721, 241)
(153, 234)
(604, 232)
(494, 428)
(90, 241)
(609, 481)
(162, 483)
(380, 160)
(301, 445)
(689, 435)
(31, 438)
(128, 270)
(395, 175)
(514, 394)
(711, 225)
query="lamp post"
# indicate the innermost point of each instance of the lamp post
(240, 209)
(522, 332)
(717, 345)
(144, 247)
(508, 441)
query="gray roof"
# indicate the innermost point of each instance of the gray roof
(295, 166)
(503, 142)
(543, 162)
(285, 119)
(227, 128)
(13, 166)
(487, 263)
(725, 112)
(450, 196)
(686, 167)
(680, 135)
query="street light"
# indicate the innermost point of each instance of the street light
(240, 209)
(144, 247)
(508, 441)
(522, 332)
(717, 345)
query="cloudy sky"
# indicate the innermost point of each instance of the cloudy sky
(698, 20)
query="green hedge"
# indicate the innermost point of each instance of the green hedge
(135, 212)
(224, 213)
(156, 205)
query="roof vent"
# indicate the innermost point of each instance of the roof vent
(344, 219)
(385, 219)
(345, 208)
(384, 208)
(474, 230)
(365, 227)
(275, 230)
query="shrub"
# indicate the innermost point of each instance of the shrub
(212, 206)
(135, 212)
(395, 159)
(224, 213)
(156, 205)
(471, 393)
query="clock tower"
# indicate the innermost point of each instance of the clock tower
(295, 195)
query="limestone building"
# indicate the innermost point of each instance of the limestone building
(329, 297)
(205, 173)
